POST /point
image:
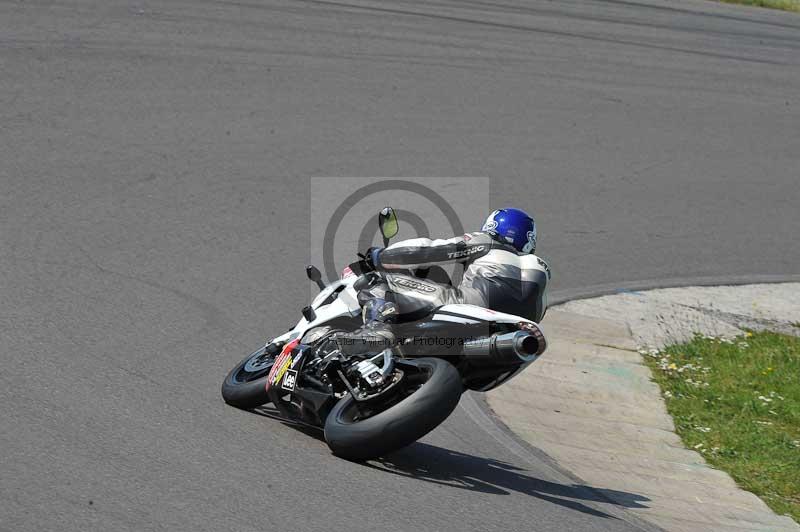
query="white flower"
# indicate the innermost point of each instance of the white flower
(698, 445)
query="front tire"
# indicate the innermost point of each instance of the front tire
(401, 424)
(246, 384)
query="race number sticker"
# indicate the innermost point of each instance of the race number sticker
(289, 380)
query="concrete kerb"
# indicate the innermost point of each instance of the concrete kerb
(589, 402)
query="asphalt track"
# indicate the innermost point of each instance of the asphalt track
(154, 164)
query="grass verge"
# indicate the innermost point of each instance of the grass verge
(785, 5)
(738, 403)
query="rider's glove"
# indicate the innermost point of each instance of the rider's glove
(372, 258)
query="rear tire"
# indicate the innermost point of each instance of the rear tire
(401, 424)
(246, 384)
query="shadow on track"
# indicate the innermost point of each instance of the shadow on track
(458, 470)
(464, 471)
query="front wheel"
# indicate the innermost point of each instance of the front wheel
(246, 384)
(431, 391)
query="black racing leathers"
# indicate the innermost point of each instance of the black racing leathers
(495, 275)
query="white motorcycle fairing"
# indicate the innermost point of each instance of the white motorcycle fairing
(339, 299)
(345, 303)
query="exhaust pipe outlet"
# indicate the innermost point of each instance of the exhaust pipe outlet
(513, 348)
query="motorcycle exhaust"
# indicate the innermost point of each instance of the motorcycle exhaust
(512, 348)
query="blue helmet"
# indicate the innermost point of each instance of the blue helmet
(514, 227)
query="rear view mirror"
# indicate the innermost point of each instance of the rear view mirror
(387, 221)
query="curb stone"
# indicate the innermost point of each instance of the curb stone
(593, 408)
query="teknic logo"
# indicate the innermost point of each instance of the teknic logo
(465, 252)
(414, 285)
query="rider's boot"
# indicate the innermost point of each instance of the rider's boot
(376, 333)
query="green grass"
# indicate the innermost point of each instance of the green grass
(785, 5)
(738, 403)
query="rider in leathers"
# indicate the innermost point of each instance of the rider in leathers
(500, 273)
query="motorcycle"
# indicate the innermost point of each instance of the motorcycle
(373, 403)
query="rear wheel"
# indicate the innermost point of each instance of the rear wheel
(428, 393)
(246, 384)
